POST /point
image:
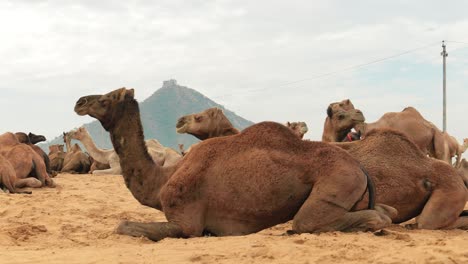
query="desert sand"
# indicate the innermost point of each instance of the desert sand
(75, 222)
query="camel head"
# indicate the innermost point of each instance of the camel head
(36, 138)
(102, 107)
(465, 142)
(298, 128)
(203, 125)
(344, 105)
(79, 133)
(55, 148)
(343, 121)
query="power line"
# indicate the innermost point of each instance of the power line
(340, 70)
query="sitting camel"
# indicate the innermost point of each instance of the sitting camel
(9, 181)
(448, 147)
(409, 121)
(463, 170)
(209, 123)
(411, 182)
(160, 154)
(26, 139)
(335, 130)
(75, 160)
(239, 184)
(56, 157)
(24, 161)
(298, 128)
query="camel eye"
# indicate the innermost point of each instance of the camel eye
(341, 117)
(198, 118)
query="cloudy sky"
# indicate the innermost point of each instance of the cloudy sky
(263, 59)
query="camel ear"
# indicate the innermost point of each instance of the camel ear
(329, 112)
(288, 124)
(130, 93)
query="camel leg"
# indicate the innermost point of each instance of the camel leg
(28, 182)
(321, 214)
(111, 171)
(443, 209)
(154, 231)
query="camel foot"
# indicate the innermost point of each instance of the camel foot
(154, 231)
(386, 210)
(50, 183)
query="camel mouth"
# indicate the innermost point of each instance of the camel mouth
(80, 111)
(181, 129)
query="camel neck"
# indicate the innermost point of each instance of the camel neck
(95, 152)
(138, 168)
(68, 143)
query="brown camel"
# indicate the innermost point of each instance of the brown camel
(238, 184)
(209, 123)
(409, 121)
(56, 156)
(96, 165)
(329, 134)
(34, 139)
(26, 139)
(298, 128)
(339, 123)
(411, 182)
(463, 170)
(75, 160)
(25, 161)
(448, 147)
(8, 178)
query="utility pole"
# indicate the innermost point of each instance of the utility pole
(444, 55)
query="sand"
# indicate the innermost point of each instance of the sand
(75, 222)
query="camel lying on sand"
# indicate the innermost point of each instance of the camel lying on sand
(411, 182)
(56, 157)
(160, 154)
(9, 181)
(238, 184)
(26, 139)
(212, 122)
(209, 123)
(298, 128)
(408, 121)
(75, 160)
(25, 162)
(335, 130)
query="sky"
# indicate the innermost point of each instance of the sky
(265, 60)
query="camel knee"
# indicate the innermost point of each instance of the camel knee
(386, 210)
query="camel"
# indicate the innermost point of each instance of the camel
(26, 139)
(339, 123)
(409, 121)
(96, 165)
(75, 160)
(159, 153)
(34, 139)
(449, 147)
(298, 128)
(406, 179)
(463, 170)
(24, 161)
(56, 157)
(238, 184)
(209, 123)
(8, 178)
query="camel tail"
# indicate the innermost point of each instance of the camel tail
(371, 189)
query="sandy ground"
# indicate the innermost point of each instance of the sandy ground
(75, 222)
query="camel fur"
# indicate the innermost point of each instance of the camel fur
(238, 184)
(298, 128)
(56, 157)
(26, 139)
(25, 161)
(414, 184)
(75, 160)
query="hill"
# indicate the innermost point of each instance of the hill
(159, 114)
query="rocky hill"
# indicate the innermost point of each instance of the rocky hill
(159, 114)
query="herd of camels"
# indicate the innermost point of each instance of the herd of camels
(360, 177)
